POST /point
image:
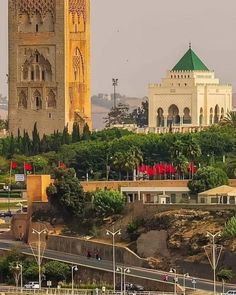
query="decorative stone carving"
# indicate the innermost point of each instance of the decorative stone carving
(33, 7)
(78, 65)
(22, 98)
(77, 7)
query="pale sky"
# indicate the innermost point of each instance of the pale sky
(137, 41)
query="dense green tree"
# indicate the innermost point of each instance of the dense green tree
(119, 115)
(181, 163)
(66, 193)
(56, 271)
(225, 274)
(207, 178)
(140, 115)
(65, 136)
(35, 140)
(75, 133)
(108, 202)
(86, 132)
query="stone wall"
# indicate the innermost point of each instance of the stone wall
(81, 246)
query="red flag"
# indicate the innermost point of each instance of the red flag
(13, 165)
(191, 167)
(150, 171)
(28, 167)
(62, 165)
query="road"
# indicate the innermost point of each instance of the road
(106, 265)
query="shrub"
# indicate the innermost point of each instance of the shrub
(230, 228)
(225, 274)
(108, 202)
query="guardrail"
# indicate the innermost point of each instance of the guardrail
(62, 291)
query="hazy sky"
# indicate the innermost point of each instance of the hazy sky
(137, 41)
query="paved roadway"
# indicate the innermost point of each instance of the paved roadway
(106, 265)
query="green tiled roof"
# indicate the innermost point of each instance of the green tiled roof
(190, 62)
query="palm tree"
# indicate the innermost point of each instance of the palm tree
(192, 150)
(229, 119)
(181, 163)
(134, 159)
(231, 167)
(119, 162)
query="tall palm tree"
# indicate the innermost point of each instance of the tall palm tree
(229, 119)
(192, 150)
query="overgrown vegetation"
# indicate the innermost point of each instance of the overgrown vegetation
(230, 228)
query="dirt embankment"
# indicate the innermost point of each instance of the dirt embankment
(177, 239)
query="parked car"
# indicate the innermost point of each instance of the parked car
(131, 287)
(6, 214)
(32, 285)
(233, 292)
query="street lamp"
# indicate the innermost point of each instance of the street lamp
(123, 271)
(214, 257)
(19, 266)
(186, 275)
(173, 270)
(39, 256)
(114, 84)
(73, 268)
(113, 233)
(7, 189)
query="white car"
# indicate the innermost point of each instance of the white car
(31, 285)
(231, 292)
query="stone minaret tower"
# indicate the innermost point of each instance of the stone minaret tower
(49, 64)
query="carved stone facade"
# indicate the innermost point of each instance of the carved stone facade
(49, 68)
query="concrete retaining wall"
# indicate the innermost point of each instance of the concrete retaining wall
(80, 247)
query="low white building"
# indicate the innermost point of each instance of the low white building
(156, 195)
(189, 96)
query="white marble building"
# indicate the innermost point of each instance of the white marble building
(190, 96)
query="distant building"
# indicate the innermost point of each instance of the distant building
(188, 97)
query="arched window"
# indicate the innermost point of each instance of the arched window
(37, 73)
(52, 103)
(173, 115)
(22, 101)
(216, 114)
(211, 116)
(78, 66)
(201, 117)
(187, 118)
(37, 100)
(160, 118)
(38, 67)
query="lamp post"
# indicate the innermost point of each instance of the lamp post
(113, 233)
(7, 189)
(173, 270)
(114, 84)
(73, 268)
(126, 270)
(123, 271)
(39, 258)
(186, 275)
(214, 260)
(19, 266)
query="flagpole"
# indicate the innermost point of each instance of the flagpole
(9, 188)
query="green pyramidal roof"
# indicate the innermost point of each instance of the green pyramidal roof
(190, 62)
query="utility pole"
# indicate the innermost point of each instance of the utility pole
(113, 233)
(115, 84)
(40, 249)
(213, 253)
